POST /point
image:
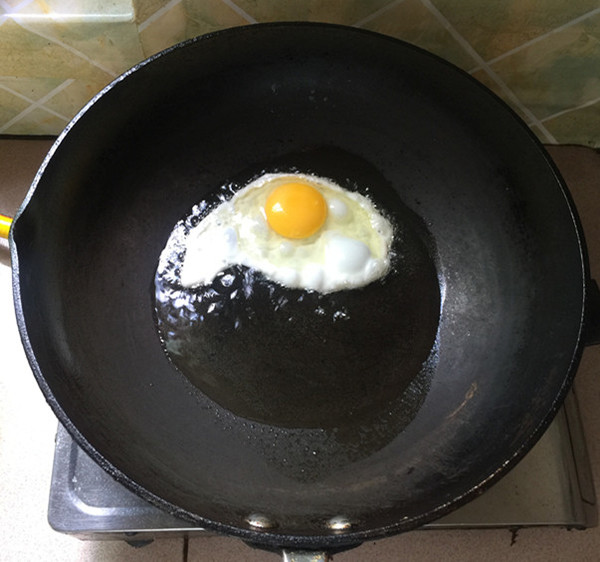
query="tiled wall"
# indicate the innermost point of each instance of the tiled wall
(541, 56)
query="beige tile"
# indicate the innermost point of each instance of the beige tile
(37, 122)
(334, 11)
(26, 54)
(504, 25)
(580, 126)
(411, 21)
(165, 31)
(10, 106)
(558, 72)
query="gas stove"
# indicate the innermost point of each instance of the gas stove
(551, 486)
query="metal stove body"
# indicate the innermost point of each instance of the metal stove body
(551, 486)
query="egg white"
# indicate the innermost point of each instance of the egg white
(351, 249)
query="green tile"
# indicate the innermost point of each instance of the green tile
(185, 20)
(413, 22)
(37, 122)
(32, 88)
(145, 8)
(10, 106)
(165, 31)
(112, 45)
(26, 54)
(345, 12)
(580, 126)
(210, 15)
(500, 26)
(558, 72)
(100, 32)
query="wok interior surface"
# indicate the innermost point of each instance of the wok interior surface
(304, 359)
(500, 230)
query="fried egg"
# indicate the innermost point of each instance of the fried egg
(298, 230)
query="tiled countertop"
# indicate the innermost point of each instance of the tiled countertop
(28, 427)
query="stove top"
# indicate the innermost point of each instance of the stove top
(552, 485)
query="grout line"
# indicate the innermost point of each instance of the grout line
(67, 48)
(186, 549)
(515, 50)
(56, 90)
(158, 14)
(451, 29)
(170, 5)
(239, 11)
(483, 66)
(17, 94)
(575, 21)
(29, 100)
(13, 9)
(10, 11)
(377, 13)
(568, 110)
(38, 104)
(17, 118)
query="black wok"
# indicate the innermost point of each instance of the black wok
(493, 342)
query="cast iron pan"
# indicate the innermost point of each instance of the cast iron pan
(326, 430)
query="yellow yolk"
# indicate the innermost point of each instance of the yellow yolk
(295, 210)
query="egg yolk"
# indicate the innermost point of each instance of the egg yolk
(295, 210)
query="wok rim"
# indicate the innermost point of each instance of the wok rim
(270, 538)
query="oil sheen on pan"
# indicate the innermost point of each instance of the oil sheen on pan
(352, 362)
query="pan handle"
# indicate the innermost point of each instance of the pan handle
(592, 314)
(5, 223)
(306, 556)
